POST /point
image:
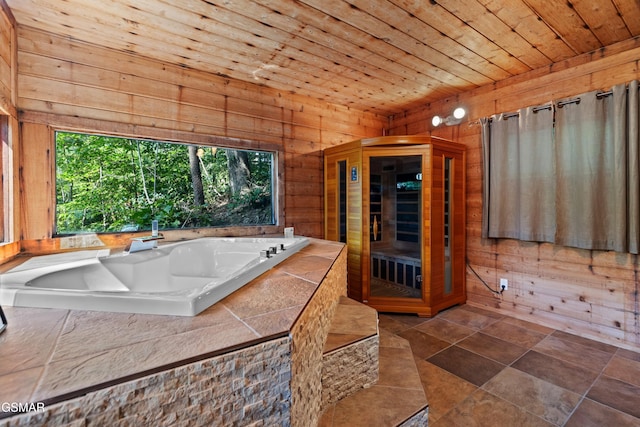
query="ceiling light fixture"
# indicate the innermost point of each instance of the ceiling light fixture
(451, 120)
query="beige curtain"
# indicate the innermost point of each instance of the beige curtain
(521, 193)
(573, 181)
(485, 125)
(591, 164)
(633, 171)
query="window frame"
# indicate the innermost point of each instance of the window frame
(187, 138)
(5, 171)
(8, 126)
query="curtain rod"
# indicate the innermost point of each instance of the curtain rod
(599, 95)
(560, 104)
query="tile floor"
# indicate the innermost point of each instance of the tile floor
(479, 368)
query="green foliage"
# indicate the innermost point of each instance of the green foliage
(107, 184)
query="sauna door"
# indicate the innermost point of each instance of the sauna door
(393, 236)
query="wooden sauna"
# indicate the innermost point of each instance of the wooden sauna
(399, 204)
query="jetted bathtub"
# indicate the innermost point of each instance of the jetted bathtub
(181, 278)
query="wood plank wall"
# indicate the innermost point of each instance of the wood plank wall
(590, 293)
(64, 83)
(8, 70)
(586, 292)
(9, 153)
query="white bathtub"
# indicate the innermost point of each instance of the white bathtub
(181, 278)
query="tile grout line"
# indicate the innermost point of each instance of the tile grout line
(38, 383)
(545, 335)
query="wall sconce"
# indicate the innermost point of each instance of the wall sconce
(451, 120)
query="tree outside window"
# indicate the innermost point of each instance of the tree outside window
(111, 184)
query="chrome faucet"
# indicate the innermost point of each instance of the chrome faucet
(138, 244)
(145, 243)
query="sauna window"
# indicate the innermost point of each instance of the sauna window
(342, 200)
(111, 184)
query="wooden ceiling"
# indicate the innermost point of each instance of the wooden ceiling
(374, 55)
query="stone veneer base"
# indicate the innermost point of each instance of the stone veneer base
(349, 369)
(248, 387)
(309, 335)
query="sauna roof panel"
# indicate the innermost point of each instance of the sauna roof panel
(382, 56)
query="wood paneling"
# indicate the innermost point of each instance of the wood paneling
(370, 55)
(351, 155)
(71, 85)
(8, 69)
(590, 293)
(8, 61)
(6, 49)
(37, 181)
(9, 147)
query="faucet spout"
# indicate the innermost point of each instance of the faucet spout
(143, 244)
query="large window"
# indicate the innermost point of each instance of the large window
(110, 184)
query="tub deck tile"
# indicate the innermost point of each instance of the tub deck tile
(29, 329)
(274, 291)
(84, 332)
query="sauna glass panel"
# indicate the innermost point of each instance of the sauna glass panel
(375, 207)
(395, 201)
(342, 201)
(408, 186)
(448, 282)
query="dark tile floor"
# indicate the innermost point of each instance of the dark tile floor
(479, 368)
